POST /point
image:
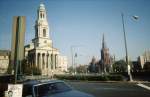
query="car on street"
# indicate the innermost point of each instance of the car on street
(53, 88)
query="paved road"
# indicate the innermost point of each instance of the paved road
(111, 89)
(147, 84)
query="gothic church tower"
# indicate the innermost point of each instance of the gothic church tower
(105, 57)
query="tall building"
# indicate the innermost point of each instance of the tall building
(94, 66)
(62, 63)
(17, 45)
(146, 56)
(40, 53)
(105, 57)
(104, 65)
(141, 61)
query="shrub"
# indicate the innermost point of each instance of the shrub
(90, 77)
(33, 70)
(115, 77)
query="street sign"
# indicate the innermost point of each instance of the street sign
(14, 90)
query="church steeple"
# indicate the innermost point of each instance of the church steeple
(41, 26)
(42, 12)
(103, 42)
(105, 58)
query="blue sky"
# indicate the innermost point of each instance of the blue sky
(81, 23)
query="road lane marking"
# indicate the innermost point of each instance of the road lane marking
(105, 88)
(143, 86)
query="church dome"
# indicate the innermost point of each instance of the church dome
(42, 6)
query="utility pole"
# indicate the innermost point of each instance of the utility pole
(72, 57)
(126, 50)
(17, 45)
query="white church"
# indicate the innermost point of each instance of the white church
(40, 52)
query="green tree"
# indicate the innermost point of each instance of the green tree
(27, 70)
(81, 69)
(36, 71)
(147, 66)
(32, 71)
(9, 69)
(120, 66)
(70, 69)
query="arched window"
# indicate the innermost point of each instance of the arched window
(41, 15)
(36, 35)
(44, 32)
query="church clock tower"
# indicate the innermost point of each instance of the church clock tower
(40, 53)
(41, 29)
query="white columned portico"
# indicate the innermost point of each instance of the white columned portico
(43, 54)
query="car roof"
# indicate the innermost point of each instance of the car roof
(40, 82)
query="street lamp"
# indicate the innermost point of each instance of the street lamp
(52, 59)
(75, 63)
(73, 56)
(126, 50)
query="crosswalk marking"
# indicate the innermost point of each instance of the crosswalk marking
(143, 86)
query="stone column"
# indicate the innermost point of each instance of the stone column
(51, 61)
(36, 59)
(32, 60)
(56, 61)
(45, 59)
(40, 61)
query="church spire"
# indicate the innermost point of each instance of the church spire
(105, 58)
(103, 42)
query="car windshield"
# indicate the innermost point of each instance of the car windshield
(27, 90)
(50, 88)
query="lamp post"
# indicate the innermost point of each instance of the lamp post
(126, 50)
(75, 63)
(73, 56)
(52, 59)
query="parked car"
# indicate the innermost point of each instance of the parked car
(54, 88)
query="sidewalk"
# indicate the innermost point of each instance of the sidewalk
(136, 82)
